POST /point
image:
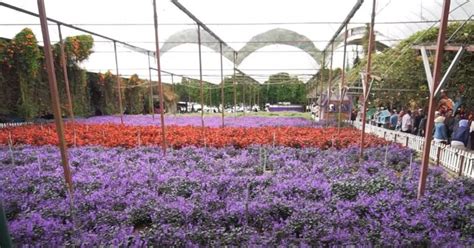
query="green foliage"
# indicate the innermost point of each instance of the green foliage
(134, 96)
(107, 86)
(401, 67)
(24, 88)
(281, 87)
(24, 61)
(78, 48)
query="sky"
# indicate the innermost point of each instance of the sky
(235, 22)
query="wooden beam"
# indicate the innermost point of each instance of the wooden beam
(454, 48)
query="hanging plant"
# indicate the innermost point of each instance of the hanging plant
(78, 48)
(25, 58)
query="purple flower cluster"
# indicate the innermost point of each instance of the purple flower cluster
(209, 121)
(258, 196)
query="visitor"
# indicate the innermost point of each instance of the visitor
(407, 122)
(472, 131)
(416, 121)
(460, 137)
(422, 126)
(353, 116)
(440, 130)
(393, 119)
(449, 122)
(399, 120)
(445, 103)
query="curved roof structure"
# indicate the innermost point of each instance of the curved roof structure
(190, 36)
(279, 36)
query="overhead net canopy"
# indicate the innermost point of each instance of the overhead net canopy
(269, 36)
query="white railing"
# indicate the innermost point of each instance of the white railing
(13, 124)
(458, 161)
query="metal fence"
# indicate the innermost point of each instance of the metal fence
(455, 160)
(13, 124)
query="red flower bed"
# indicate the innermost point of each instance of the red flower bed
(110, 135)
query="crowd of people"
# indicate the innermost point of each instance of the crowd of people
(453, 124)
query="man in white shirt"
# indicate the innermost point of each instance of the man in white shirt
(407, 122)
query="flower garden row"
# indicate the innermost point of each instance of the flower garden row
(209, 121)
(111, 135)
(255, 196)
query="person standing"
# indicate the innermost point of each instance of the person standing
(449, 122)
(422, 126)
(460, 136)
(440, 130)
(416, 121)
(407, 122)
(445, 103)
(399, 120)
(393, 119)
(471, 130)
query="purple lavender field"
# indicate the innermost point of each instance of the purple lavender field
(259, 196)
(209, 121)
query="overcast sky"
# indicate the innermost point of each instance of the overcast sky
(218, 14)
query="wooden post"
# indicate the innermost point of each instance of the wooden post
(119, 87)
(235, 86)
(55, 96)
(461, 165)
(5, 240)
(222, 85)
(65, 76)
(151, 102)
(160, 84)
(431, 109)
(367, 79)
(438, 155)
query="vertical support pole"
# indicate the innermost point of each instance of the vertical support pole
(119, 88)
(151, 102)
(243, 96)
(251, 96)
(461, 164)
(367, 79)
(341, 85)
(5, 240)
(235, 85)
(200, 77)
(160, 84)
(321, 81)
(222, 85)
(54, 96)
(438, 155)
(173, 88)
(431, 109)
(330, 73)
(210, 95)
(65, 75)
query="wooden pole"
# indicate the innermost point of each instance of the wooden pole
(119, 88)
(222, 85)
(160, 84)
(321, 71)
(151, 102)
(55, 96)
(343, 78)
(431, 107)
(367, 79)
(200, 77)
(235, 85)
(65, 75)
